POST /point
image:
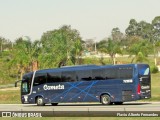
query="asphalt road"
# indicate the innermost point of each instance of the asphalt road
(86, 109)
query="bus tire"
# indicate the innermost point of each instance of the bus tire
(54, 104)
(106, 100)
(40, 101)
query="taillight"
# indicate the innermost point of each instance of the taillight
(139, 89)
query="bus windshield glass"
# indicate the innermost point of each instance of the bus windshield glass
(143, 70)
(26, 84)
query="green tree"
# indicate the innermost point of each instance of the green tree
(140, 50)
(110, 47)
(156, 28)
(23, 55)
(90, 45)
(102, 46)
(141, 29)
(144, 30)
(5, 44)
(132, 28)
(76, 52)
(117, 35)
(19, 59)
(58, 46)
(155, 37)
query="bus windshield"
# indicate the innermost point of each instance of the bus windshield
(143, 70)
(26, 84)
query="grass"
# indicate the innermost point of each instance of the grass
(155, 85)
(9, 96)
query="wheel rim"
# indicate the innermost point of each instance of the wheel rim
(39, 101)
(106, 99)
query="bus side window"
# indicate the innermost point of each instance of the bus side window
(86, 79)
(69, 76)
(84, 75)
(40, 78)
(111, 73)
(53, 77)
(98, 74)
(125, 72)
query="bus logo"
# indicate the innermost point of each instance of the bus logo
(55, 87)
(145, 87)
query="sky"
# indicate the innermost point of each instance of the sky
(94, 19)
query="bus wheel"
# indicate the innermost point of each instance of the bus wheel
(40, 101)
(118, 103)
(105, 99)
(54, 104)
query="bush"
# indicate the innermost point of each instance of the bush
(154, 69)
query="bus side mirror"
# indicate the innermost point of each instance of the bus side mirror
(17, 82)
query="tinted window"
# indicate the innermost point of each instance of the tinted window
(143, 70)
(54, 77)
(84, 75)
(125, 72)
(119, 73)
(111, 73)
(28, 77)
(25, 87)
(98, 74)
(68, 76)
(26, 83)
(40, 78)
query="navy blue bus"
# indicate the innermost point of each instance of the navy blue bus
(111, 84)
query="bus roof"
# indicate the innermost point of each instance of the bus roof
(84, 67)
(70, 68)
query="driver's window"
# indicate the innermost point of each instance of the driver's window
(24, 87)
(40, 78)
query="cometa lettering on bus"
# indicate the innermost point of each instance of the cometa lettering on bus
(57, 87)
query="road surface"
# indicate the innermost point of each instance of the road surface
(130, 108)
